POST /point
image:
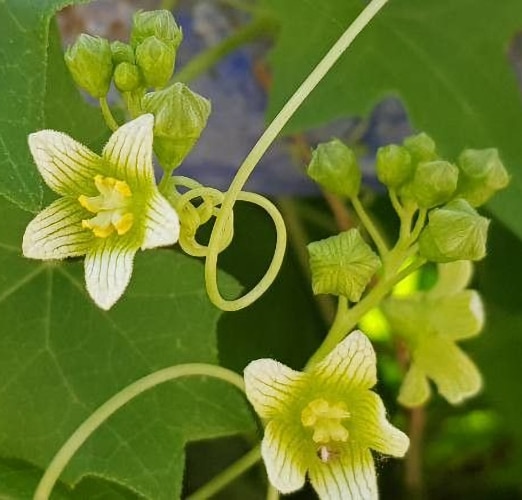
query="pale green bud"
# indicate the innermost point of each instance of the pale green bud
(421, 147)
(454, 232)
(122, 52)
(127, 77)
(342, 265)
(180, 116)
(335, 167)
(434, 183)
(158, 23)
(156, 60)
(89, 60)
(482, 174)
(394, 166)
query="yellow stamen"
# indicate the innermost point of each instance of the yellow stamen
(325, 419)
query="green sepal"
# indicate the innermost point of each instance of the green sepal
(180, 117)
(158, 23)
(89, 60)
(122, 52)
(156, 60)
(342, 265)
(454, 232)
(434, 183)
(482, 174)
(394, 165)
(334, 166)
(127, 77)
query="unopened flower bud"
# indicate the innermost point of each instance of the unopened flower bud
(394, 166)
(180, 117)
(454, 232)
(335, 167)
(156, 60)
(158, 23)
(482, 174)
(89, 60)
(434, 183)
(421, 147)
(122, 52)
(127, 77)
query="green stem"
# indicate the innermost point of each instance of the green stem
(107, 114)
(98, 417)
(370, 226)
(260, 26)
(228, 475)
(264, 142)
(272, 493)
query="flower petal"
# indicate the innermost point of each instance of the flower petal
(370, 428)
(108, 269)
(162, 223)
(352, 364)
(351, 476)
(271, 386)
(415, 389)
(66, 166)
(452, 278)
(455, 375)
(129, 152)
(458, 316)
(282, 452)
(57, 232)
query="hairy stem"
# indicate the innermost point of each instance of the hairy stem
(228, 475)
(98, 417)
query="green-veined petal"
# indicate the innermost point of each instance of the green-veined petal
(415, 389)
(57, 232)
(370, 428)
(452, 278)
(458, 316)
(351, 476)
(350, 365)
(161, 223)
(129, 152)
(271, 386)
(455, 375)
(66, 166)
(284, 457)
(108, 269)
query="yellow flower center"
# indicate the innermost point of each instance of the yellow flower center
(325, 419)
(110, 207)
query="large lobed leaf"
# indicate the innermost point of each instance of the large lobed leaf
(446, 59)
(36, 93)
(61, 357)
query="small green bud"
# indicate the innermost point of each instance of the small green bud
(127, 77)
(334, 166)
(394, 166)
(482, 174)
(122, 52)
(158, 23)
(454, 232)
(180, 117)
(89, 60)
(421, 147)
(434, 183)
(156, 60)
(342, 265)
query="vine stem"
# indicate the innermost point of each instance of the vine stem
(264, 142)
(98, 417)
(413, 469)
(107, 114)
(370, 226)
(228, 475)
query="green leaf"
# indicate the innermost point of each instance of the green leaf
(62, 357)
(37, 92)
(447, 60)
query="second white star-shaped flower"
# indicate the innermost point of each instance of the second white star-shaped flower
(109, 208)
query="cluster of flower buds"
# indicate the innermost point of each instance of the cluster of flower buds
(146, 62)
